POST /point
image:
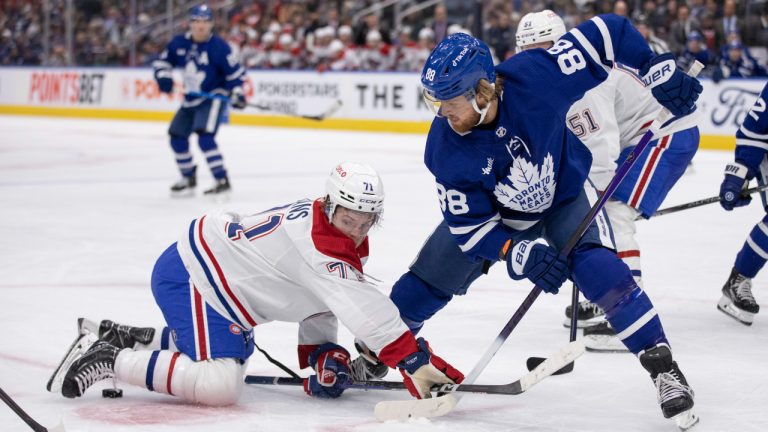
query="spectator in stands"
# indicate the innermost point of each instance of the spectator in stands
(696, 50)
(712, 37)
(620, 8)
(375, 55)
(680, 29)
(440, 23)
(738, 63)
(658, 46)
(756, 26)
(500, 36)
(729, 23)
(369, 24)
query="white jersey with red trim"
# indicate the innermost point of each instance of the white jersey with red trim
(288, 264)
(615, 115)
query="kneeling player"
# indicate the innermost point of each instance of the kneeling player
(301, 262)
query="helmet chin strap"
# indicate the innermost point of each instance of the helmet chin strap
(483, 111)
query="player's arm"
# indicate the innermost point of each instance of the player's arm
(163, 67)
(373, 318)
(751, 148)
(234, 74)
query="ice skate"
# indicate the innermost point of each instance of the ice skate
(96, 364)
(119, 335)
(602, 338)
(75, 351)
(184, 187)
(367, 366)
(220, 187)
(589, 314)
(737, 300)
(672, 391)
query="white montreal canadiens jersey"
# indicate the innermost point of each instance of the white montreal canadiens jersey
(287, 264)
(615, 115)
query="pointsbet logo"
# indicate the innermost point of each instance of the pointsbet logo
(72, 88)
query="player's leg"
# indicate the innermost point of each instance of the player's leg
(179, 131)
(607, 281)
(206, 124)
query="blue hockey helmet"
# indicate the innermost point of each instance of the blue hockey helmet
(455, 67)
(201, 12)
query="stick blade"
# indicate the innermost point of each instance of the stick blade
(417, 408)
(561, 362)
(58, 428)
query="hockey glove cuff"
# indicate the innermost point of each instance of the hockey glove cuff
(672, 88)
(422, 369)
(539, 262)
(238, 98)
(736, 177)
(331, 363)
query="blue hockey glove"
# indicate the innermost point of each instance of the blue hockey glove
(736, 175)
(165, 85)
(237, 98)
(331, 363)
(539, 262)
(422, 369)
(672, 88)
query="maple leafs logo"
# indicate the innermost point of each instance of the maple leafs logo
(528, 188)
(193, 78)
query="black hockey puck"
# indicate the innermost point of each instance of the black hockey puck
(112, 393)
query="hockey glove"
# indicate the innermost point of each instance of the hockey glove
(237, 98)
(539, 262)
(331, 363)
(736, 175)
(672, 88)
(422, 369)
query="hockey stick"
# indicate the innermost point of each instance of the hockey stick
(702, 202)
(554, 362)
(621, 172)
(37, 427)
(319, 117)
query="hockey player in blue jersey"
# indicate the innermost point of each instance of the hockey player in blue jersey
(750, 162)
(209, 67)
(512, 182)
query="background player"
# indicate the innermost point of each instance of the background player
(522, 188)
(301, 262)
(610, 120)
(750, 162)
(209, 67)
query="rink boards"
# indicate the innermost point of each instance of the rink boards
(385, 102)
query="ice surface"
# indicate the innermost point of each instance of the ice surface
(85, 211)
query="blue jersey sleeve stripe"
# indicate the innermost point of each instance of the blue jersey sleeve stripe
(161, 64)
(469, 228)
(236, 74)
(607, 41)
(751, 143)
(589, 48)
(749, 134)
(478, 236)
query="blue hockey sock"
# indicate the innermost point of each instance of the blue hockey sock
(606, 280)
(212, 155)
(180, 146)
(752, 256)
(416, 300)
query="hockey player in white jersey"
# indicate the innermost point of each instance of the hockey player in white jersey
(750, 162)
(610, 120)
(301, 262)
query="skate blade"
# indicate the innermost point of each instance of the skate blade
(187, 193)
(76, 350)
(604, 344)
(584, 323)
(726, 306)
(686, 420)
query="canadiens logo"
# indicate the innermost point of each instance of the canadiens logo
(235, 329)
(528, 188)
(501, 131)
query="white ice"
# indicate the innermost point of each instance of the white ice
(85, 211)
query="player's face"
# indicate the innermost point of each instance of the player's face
(201, 29)
(460, 113)
(353, 224)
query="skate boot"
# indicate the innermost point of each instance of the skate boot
(367, 366)
(119, 335)
(220, 187)
(185, 186)
(602, 338)
(737, 300)
(672, 390)
(98, 363)
(81, 344)
(589, 314)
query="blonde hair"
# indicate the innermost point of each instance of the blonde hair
(488, 92)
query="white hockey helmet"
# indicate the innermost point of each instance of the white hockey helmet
(538, 27)
(356, 187)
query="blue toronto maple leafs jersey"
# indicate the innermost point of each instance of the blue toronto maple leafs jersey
(209, 67)
(752, 136)
(505, 176)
